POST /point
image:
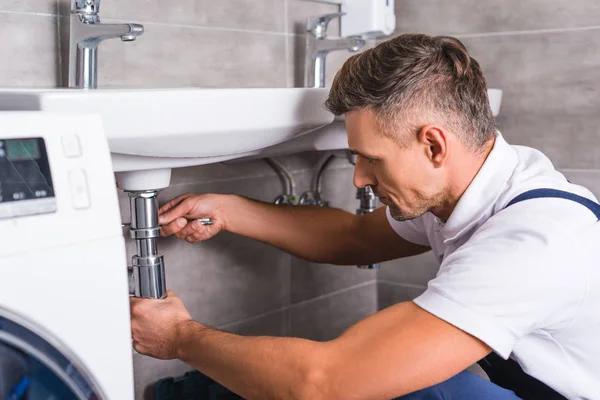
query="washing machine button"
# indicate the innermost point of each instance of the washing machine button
(79, 189)
(71, 146)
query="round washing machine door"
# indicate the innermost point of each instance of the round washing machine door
(34, 366)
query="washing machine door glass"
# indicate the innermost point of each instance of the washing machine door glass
(33, 366)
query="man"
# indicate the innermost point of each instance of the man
(519, 282)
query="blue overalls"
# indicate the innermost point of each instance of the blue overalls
(508, 380)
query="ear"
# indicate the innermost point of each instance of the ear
(435, 143)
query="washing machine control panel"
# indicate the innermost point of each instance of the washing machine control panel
(25, 179)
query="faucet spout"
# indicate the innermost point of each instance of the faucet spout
(86, 34)
(328, 45)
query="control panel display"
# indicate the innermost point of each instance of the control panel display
(19, 150)
(25, 179)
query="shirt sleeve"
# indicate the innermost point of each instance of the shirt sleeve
(413, 230)
(508, 280)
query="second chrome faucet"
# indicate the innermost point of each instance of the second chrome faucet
(319, 45)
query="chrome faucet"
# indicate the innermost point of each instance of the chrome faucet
(86, 33)
(318, 46)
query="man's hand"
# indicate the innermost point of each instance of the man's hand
(155, 325)
(179, 216)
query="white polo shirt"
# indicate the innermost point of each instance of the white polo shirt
(525, 279)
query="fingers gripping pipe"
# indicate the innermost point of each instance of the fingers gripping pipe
(147, 266)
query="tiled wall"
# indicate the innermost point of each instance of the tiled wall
(544, 55)
(229, 282)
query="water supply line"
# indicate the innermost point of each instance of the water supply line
(287, 180)
(314, 197)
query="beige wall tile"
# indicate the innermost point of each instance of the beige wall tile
(328, 317)
(29, 51)
(175, 56)
(30, 6)
(417, 270)
(551, 92)
(389, 294)
(263, 15)
(273, 324)
(475, 16)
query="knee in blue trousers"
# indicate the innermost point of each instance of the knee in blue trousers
(464, 386)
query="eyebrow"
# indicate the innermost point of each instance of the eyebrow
(358, 153)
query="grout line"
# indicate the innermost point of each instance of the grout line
(526, 32)
(250, 319)
(29, 13)
(202, 27)
(332, 294)
(578, 169)
(296, 305)
(287, 46)
(406, 285)
(59, 38)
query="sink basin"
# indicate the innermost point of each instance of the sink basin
(165, 128)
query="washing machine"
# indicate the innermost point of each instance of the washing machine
(64, 293)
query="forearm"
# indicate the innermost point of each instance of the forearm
(326, 235)
(253, 367)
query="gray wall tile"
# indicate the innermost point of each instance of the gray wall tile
(417, 270)
(29, 6)
(273, 324)
(176, 56)
(310, 280)
(29, 50)
(264, 15)
(587, 178)
(389, 294)
(474, 16)
(328, 317)
(551, 96)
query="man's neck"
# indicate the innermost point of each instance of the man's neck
(466, 167)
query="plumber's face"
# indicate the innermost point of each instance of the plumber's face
(400, 174)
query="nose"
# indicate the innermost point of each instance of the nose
(362, 177)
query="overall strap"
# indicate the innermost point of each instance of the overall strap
(559, 194)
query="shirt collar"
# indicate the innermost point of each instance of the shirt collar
(481, 195)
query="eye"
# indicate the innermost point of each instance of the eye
(370, 160)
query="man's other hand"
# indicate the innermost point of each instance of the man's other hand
(155, 325)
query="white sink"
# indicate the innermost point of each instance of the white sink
(159, 129)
